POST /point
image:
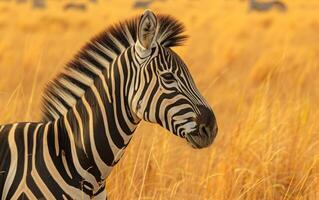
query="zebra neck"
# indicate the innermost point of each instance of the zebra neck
(100, 125)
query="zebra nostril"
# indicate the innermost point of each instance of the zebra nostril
(208, 130)
(203, 130)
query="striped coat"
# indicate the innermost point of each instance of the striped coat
(126, 74)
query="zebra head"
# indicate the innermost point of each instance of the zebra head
(164, 90)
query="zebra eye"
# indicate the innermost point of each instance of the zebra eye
(168, 77)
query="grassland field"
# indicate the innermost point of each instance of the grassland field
(259, 71)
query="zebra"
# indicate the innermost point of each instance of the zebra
(126, 74)
(265, 6)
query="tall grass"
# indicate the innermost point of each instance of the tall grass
(258, 71)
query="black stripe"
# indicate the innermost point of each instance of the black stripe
(102, 145)
(76, 82)
(30, 182)
(97, 50)
(19, 140)
(5, 156)
(23, 196)
(42, 169)
(84, 120)
(67, 91)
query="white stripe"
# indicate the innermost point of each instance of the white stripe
(163, 107)
(57, 105)
(13, 162)
(34, 173)
(64, 197)
(173, 110)
(101, 196)
(106, 50)
(155, 101)
(163, 36)
(83, 78)
(184, 116)
(78, 118)
(113, 147)
(117, 43)
(65, 164)
(52, 112)
(129, 36)
(131, 91)
(103, 168)
(70, 100)
(56, 138)
(131, 125)
(125, 137)
(93, 69)
(105, 63)
(22, 184)
(75, 193)
(74, 88)
(83, 172)
(29, 193)
(137, 78)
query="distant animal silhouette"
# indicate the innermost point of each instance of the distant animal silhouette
(35, 3)
(261, 6)
(74, 6)
(143, 4)
(69, 6)
(21, 1)
(38, 4)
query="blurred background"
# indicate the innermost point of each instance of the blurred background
(256, 62)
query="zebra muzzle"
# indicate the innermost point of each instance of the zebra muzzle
(206, 131)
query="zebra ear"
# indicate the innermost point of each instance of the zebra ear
(147, 29)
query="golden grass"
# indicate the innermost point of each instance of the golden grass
(259, 71)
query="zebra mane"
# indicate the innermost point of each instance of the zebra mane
(60, 94)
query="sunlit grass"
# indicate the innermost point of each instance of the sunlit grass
(259, 71)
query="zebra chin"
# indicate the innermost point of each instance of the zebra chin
(201, 138)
